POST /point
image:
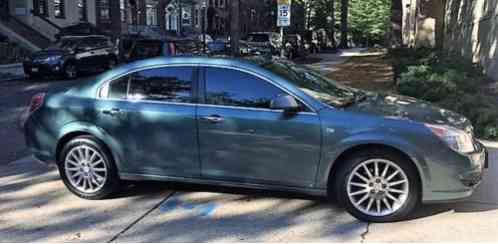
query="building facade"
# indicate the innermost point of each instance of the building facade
(36, 22)
(465, 27)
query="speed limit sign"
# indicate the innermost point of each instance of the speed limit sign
(284, 13)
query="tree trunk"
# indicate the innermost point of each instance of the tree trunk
(180, 17)
(344, 23)
(235, 27)
(332, 24)
(395, 36)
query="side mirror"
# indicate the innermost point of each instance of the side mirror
(286, 103)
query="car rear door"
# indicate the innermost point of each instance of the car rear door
(161, 122)
(241, 139)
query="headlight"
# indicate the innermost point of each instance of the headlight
(52, 58)
(458, 140)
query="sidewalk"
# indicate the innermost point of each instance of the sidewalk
(11, 72)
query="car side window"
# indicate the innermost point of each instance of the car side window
(168, 84)
(118, 89)
(229, 87)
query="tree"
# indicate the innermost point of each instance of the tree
(369, 20)
(235, 26)
(332, 23)
(344, 23)
(395, 38)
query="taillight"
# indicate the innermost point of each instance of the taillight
(36, 102)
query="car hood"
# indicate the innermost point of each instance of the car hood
(49, 52)
(407, 108)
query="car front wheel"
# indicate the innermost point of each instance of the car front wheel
(87, 168)
(378, 187)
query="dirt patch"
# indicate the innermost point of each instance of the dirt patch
(373, 73)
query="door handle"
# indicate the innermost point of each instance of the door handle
(112, 112)
(213, 119)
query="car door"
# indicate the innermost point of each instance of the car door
(241, 139)
(86, 54)
(163, 121)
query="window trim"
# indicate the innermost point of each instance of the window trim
(195, 79)
(198, 85)
(203, 69)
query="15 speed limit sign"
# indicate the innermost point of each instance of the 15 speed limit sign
(284, 13)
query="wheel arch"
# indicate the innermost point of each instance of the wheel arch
(406, 153)
(76, 129)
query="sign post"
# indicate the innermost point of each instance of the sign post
(283, 20)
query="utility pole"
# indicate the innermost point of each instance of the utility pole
(235, 27)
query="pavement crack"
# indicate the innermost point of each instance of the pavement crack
(364, 234)
(115, 237)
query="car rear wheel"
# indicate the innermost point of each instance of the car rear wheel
(87, 169)
(378, 187)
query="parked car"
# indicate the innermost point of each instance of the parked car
(146, 48)
(261, 43)
(79, 29)
(219, 46)
(277, 126)
(72, 55)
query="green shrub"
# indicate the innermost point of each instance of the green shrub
(450, 82)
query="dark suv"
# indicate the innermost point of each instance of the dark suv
(72, 55)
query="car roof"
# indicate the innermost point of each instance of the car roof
(195, 60)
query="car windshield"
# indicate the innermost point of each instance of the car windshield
(258, 38)
(315, 84)
(65, 43)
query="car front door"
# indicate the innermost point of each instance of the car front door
(86, 54)
(241, 139)
(161, 123)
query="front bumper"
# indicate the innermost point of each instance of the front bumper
(36, 68)
(461, 179)
(481, 161)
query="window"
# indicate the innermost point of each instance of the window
(82, 10)
(59, 10)
(104, 13)
(173, 84)
(40, 7)
(234, 88)
(118, 89)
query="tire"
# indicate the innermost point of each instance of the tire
(70, 71)
(104, 184)
(378, 187)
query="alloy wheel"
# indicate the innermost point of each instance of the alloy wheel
(378, 187)
(85, 168)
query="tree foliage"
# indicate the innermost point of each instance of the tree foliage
(369, 20)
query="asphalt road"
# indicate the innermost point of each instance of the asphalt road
(14, 98)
